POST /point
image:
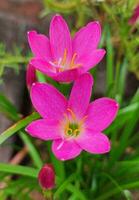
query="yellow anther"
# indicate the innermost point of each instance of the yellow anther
(63, 61)
(76, 132)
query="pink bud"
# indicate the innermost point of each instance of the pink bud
(135, 16)
(46, 176)
(30, 75)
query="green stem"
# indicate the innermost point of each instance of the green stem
(48, 194)
(17, 126)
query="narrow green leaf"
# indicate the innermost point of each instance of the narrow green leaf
(109, 62)
(18, 169)
(17, 126)
(32, 150)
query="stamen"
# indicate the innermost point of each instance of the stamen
(72, 113)
(54, 64)
(76, 132)
(63, 61)
(69, 132)
(83, 120)
(73, 59)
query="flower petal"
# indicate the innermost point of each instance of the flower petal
(43, 66)
(48, 101)
(44, 129)
(96, 143)
(101, 113)
(86, 39)
(30, 75)
(65, 150)
(80, 95)
(90, 60)
(60, 39)
(39, 45)
(65, 76)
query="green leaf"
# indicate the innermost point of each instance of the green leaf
(109, 63)
(8, 108)
(18, 169)
(32, 150)
(17, 126)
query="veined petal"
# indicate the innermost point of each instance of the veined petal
(86, 39)
(80, 95)
(90, 60)
(65, 150)
(96, 143)
(39, 45)
(44, 129)
(101, 113)
(30, 75)
(48, 101)
(60, 39)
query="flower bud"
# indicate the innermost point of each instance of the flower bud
(30, 76)
(46, 177)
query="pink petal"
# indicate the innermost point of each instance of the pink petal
(65, 76)
(101, 113)
(39, 45)
(44, 129)
(80, 95)
(65, 150)
(96, 143)
(48, 101)
(30, 75)
(86, 39)
(43, 66)
(60, 39)
(135, 16)
(90, 60)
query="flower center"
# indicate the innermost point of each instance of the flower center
(72, 130)
(72, 126)
(63, 63)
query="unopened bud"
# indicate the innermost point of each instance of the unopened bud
(47, 177)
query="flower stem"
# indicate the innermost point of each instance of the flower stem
(48, 195)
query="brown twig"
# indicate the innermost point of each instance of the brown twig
(19, 156)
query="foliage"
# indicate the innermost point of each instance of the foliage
(11, 60)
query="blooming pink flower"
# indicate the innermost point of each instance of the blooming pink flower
(46, 176)
(135, 16)
(73, 125)
(64, 58)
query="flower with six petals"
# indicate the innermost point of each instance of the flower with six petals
(64, 58)
(74, 124)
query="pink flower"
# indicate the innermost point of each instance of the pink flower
(46, 176)
(64, 58)
(73, 125)
(135, 16)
